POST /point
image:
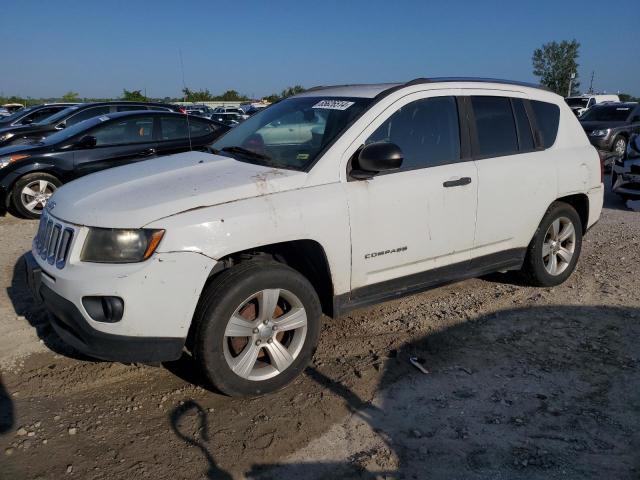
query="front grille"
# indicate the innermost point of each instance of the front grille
(53, 241)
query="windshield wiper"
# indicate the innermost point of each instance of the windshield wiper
(246, 152)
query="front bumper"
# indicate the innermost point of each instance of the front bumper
(625, 179)
(160, 296)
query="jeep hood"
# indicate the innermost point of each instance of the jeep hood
(134, 195)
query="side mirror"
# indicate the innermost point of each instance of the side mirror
(60, 126)
(88, 141)
(375, 158)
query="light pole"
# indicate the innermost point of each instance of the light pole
(573, 75)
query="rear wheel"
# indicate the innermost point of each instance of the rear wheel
(554, 251)
(31, 193)
(256, 328)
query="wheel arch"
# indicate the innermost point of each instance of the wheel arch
(306, 256)
(19, 174)
(580, 202)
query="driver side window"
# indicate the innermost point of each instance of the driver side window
(426, 131)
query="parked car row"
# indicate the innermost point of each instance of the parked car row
(37, 158)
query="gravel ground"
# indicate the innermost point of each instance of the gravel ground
(522, 383)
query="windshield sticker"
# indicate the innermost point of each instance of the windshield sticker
(333, 104)
(103, 118)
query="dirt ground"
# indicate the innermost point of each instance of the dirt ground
(524, 383)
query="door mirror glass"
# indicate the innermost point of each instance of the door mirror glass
(88, 141)
(375, 158)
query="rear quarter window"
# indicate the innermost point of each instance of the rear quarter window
(547, 120)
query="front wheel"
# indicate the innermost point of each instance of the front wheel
(619, 145)
(554, 251)
(31, 192)
(256, 328)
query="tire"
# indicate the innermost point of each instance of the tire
(240, 292)
(538, 267)
(619, 145)
(27, 205)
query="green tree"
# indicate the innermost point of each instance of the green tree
(625, 97)
(71, 96)
(287, 92)
(133, 96)
(554, 63)
(196, 95)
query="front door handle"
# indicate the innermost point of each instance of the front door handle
(147, 152)
(458, 182)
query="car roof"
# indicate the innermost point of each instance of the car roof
(375, 89)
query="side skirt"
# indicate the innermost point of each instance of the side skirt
(419, 282)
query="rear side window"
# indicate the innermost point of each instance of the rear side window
(174, 128)
(547, 119)
(525, 137)
(199, 128)
(495, 126)
(426, 131)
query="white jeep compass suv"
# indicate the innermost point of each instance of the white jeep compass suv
(327, 201)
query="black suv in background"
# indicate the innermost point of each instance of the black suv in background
(29, 174)
(33, 114)
(609, 126)
(22, 134)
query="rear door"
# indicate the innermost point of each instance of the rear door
(118, 142)
(181, 133)
(516, 179)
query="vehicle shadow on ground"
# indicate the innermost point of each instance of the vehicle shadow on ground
(7, 416)
(546, 392)
(25, 305)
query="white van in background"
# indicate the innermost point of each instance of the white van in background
(581, 103)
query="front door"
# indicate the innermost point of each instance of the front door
(422, 216)
(118, 142)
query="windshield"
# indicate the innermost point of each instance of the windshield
(610, 113)
(69, 132)
(577, 102)
(62, 114)
(291, 133)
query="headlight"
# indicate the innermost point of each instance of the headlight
(5, 136)
(6, 160)
(600, 133)
(106, 245)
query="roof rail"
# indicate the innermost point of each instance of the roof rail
(418, 81)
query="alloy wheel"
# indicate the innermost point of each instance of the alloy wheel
(265, 334)
(34, 195)
(559, 246)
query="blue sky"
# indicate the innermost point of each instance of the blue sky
(99, 48)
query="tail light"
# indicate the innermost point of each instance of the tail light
(182, 110)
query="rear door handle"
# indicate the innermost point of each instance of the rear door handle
(457, 182)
